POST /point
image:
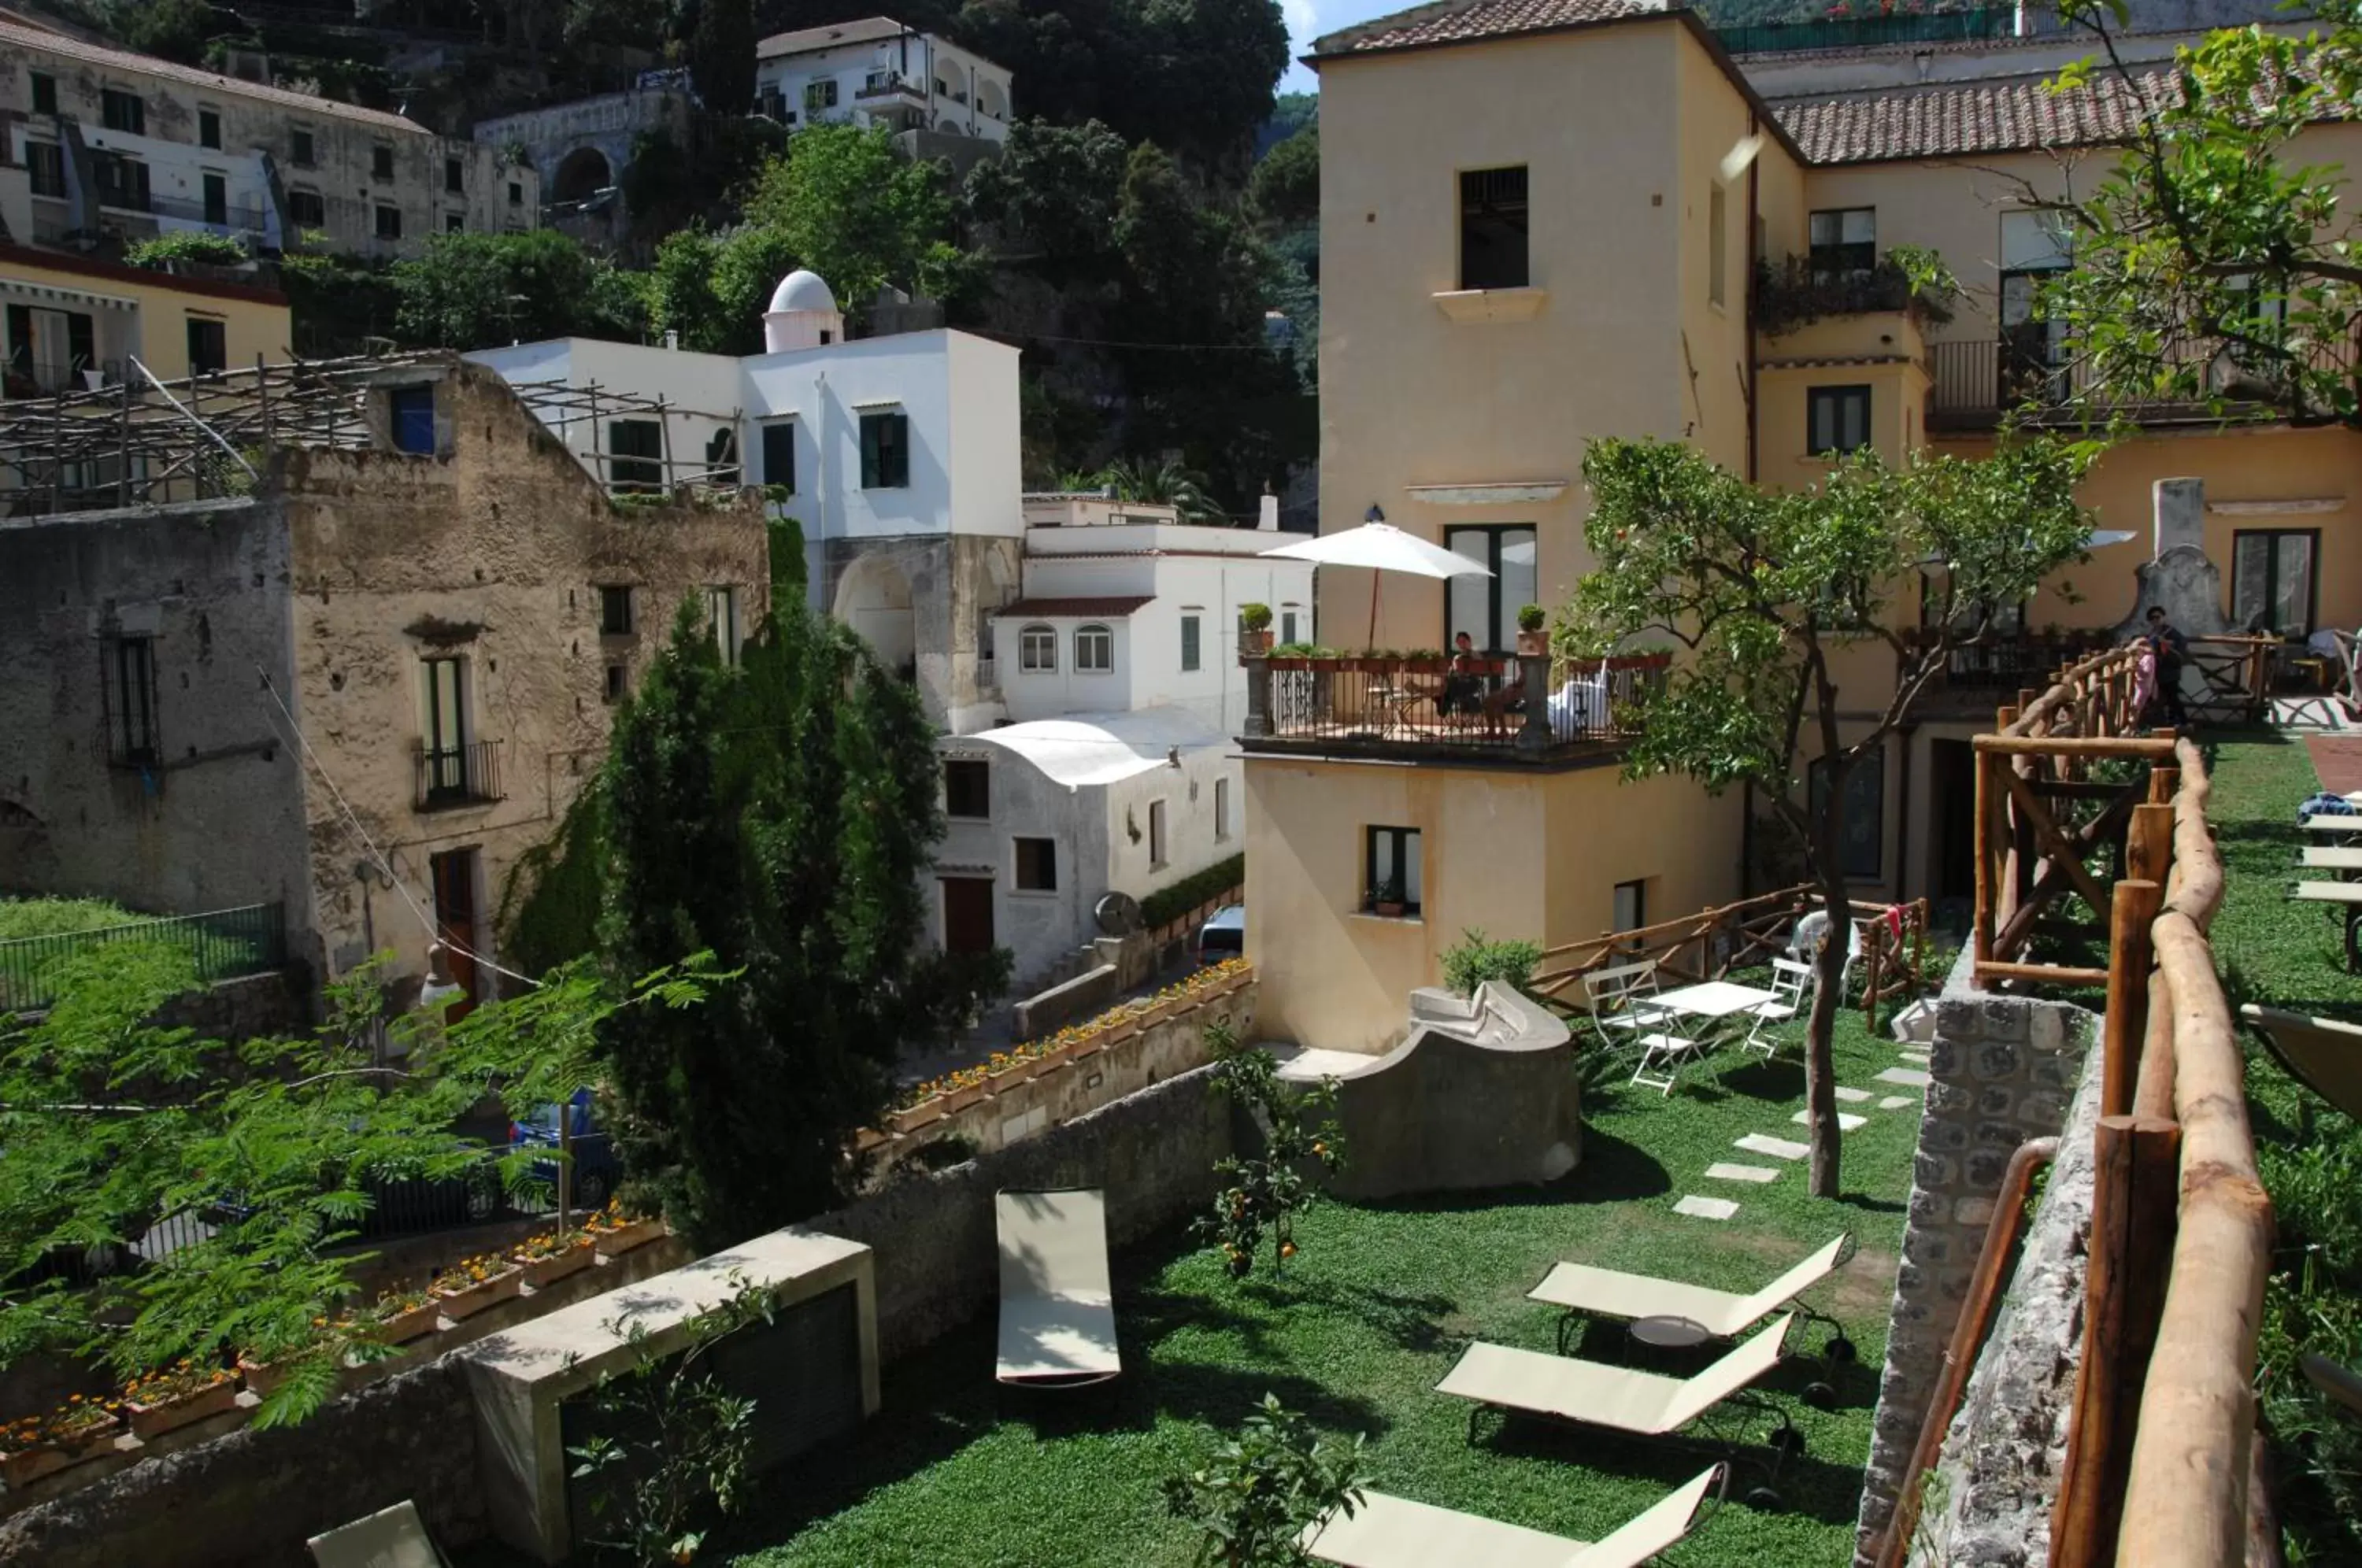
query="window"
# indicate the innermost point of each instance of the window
(779, 454)
(1717, 247)
(516, 192)
(306, 209)
(445, 732)
(209, 128)
(722, 455)
(411, 415)
(967, 789)
(1190, 642)
(45, 92)
(618, 684)
(454, 223)
(1390, 861)
(122, 181)
(636, 455)
(1286, 627)
(1861, 831)
(1631, 907)
(389, 222)
(208, 346)
(1037, 648)
(129, 695)
(380, 162)
(45, 160)
(1222, 808)
(884, 451)
(1493, 228)
(299, 148)
(1155, 835)
(722, 616)
(1837, 419)
(1487, 607)
(1844, 241)
(122, 111)
(1037, 865)
(2272, 587)
(1094, 649)
(615, 610)
(454, 176)
(819, 95)
(217, 199)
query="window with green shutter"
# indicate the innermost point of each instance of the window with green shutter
(884, 451)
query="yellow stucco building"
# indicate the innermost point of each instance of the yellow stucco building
(1544, 222)
(70, 317)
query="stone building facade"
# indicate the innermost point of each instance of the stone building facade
(382, 660)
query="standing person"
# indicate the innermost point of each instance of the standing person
(2165, 640)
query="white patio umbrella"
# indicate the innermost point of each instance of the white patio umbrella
(1382, 547)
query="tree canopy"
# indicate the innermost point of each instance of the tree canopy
(474, 291)
(1764, 589)
(844, 203)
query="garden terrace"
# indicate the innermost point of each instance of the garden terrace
(1421, 707)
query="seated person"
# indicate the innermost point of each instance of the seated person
(1462, 693)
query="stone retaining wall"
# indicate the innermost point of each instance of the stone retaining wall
(2002, 1069)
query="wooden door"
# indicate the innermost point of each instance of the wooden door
(968, 914)
(454, 874)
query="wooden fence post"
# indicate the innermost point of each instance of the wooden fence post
(2135, 902)
(2136, 1184)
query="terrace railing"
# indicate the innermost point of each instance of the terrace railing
(1975, 381)
(1391, 701)
(225, 945)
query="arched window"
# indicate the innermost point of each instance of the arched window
(1094, 649)
(1037, 648)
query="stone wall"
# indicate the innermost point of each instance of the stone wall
(2002, 1069)
(256, 1007)
(1997, 1478)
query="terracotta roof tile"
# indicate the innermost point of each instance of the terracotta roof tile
(1109, 608)
(1466, 21)
(16, 35)
(2020, 115)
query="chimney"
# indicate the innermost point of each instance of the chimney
(672, 339)
(1267, 513)
(2180, 506)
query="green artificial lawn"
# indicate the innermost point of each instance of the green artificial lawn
(2289, 954)
(1370, 1315)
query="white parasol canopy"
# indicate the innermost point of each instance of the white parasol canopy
(1382, 547)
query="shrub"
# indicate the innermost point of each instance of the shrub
(1266, 1194)
(1478, 958)
(1530, 618)
(1168, 904)
(1252, 1496)
(186, 244)
(1255, 617)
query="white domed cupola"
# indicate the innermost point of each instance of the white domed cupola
(804, 314)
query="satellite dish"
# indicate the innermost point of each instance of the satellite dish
(1118, 913)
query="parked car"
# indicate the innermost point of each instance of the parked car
(596, 1168)
(1224, 935)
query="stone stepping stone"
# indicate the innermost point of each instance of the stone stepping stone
(1726, 1170)
(1852, 1095)
(1916, 1058)
(1847, 1120)
(1778, 1148)
(1910, 1077)
(1706, 1207)
(1896, 1102)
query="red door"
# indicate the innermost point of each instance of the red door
(968, 914)
(454, 874)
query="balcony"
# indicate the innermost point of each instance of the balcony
(1976, 383)
(451, 776)
(1422, 708)
(1794, 293)
(1992, 671)
(891, 88)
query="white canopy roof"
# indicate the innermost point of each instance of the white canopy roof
(1103, 748)
(1385, 547)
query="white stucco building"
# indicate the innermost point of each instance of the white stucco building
(900, 455)
(877, 72)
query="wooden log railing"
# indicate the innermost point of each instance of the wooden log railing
(2042, 817)
(1712, 943)
(2160, 1461)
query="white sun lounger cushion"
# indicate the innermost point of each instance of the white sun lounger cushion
(1593, 1394)
(1057, 1306)
(1392, 1533)
(391, 1538)
(1609, 1293)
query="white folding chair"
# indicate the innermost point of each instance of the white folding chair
(1621, 999)
(1791, 983)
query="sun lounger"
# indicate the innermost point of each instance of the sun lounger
(1599, 1397)
(393, 1537)
(1392, 1533)
(1057, 1307)
(1580, 1290)
(2322, 1053)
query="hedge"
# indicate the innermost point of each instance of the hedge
(1168, 904)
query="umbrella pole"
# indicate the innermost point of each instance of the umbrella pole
(1371, 642)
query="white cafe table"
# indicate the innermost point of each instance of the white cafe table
(1710, 999)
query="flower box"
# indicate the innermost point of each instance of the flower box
(22, 1466)
(411, 1323)
(172, 1411)
(469, 1300)
(260, 1376)
(544, 1272)
(631, 1233)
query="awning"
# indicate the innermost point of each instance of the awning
(53, 297)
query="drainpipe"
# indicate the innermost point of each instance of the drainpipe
(1754, 174)
(1967, 1337)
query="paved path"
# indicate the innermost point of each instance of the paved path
(2338, 760)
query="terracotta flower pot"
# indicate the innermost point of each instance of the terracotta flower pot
(474, 1299)
(545, 1272)
(153, 1420)
(260, 1376)
(637, 1233)
(23, 1465)
(1254, 645)
(1533, 642)
(413, 1323)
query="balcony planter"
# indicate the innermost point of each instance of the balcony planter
(21, 1467)
(1254, 645)
(411, 1323)
(472, 1299)
(260, 1376)
(630, 1234)
(1296, 662)
(544, 1272)
(169, 1412)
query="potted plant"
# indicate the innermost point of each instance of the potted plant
(613, 1233)
(1386, 898)
(406, 1315)
(179, 1396)
(1531, 638)
(553, 1254)
(1255, 630)
(37, 1445)
(470, 1286)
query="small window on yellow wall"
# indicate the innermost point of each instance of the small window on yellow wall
(1837, 419)
(1717, 246)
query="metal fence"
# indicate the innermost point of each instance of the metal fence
(465, 775)
(1478, 703)
(225, 945)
